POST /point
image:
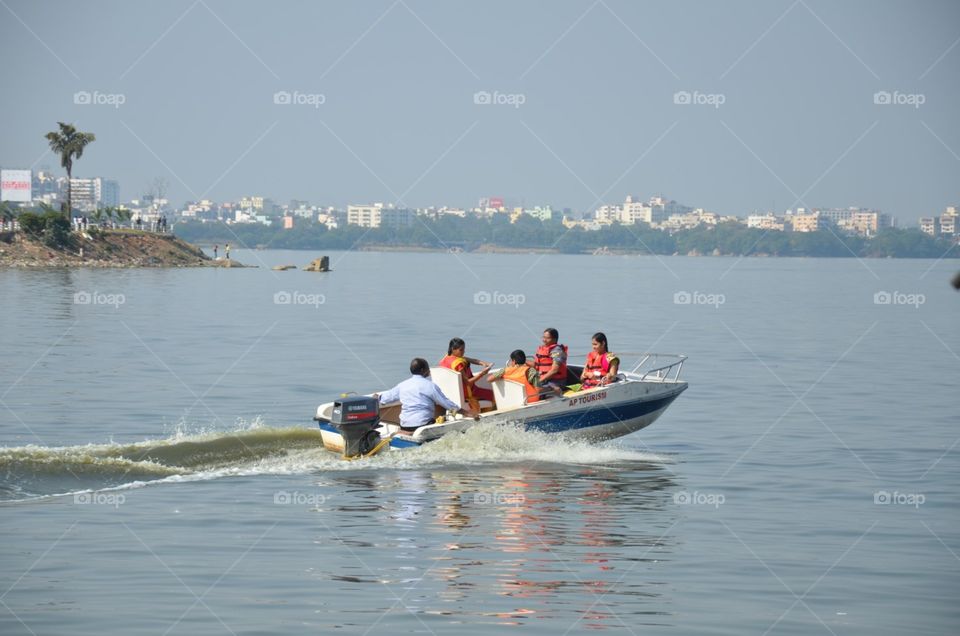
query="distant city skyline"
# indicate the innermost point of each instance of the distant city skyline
(87, 199)
(736, 108)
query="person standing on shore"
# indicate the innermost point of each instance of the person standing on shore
(215, 252)
(226, 249)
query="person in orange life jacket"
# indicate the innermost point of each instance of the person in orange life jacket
(518, 371)
(550, 361)
(602, 366)
(456, 360)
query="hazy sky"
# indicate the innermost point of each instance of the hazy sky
(786, 91)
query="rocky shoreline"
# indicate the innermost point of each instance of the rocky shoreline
(105, 249)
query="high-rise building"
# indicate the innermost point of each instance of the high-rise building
(89, 194)
(83, 194)
(108, 192)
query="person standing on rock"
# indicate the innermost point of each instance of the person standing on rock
(226, 249)
(215, 252)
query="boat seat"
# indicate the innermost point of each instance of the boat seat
(508, 394)
(451, 384)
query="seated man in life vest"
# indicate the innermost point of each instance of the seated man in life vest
(456, 360)
(518, 371)
(419, 396)
(601, 367)
(550, 361)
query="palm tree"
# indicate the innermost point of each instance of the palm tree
(124, 214)
(108, 214)
(69, 144)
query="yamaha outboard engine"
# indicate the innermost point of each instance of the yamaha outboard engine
(357, 419)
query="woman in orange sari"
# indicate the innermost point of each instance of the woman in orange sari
(457, 360)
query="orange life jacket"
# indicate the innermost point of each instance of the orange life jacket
(543, 361)
(519, 374)
(596, 362)
(457, 364)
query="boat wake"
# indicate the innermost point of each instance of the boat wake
(29, 472)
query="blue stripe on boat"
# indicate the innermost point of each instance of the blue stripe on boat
(598, 416)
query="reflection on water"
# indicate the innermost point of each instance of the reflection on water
(513, 543)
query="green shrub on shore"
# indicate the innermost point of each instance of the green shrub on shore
(51, 227)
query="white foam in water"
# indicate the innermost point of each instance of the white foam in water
(255, 449)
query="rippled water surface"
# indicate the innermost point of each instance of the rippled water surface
(160, 473)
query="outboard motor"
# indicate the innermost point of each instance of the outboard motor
(357, 418)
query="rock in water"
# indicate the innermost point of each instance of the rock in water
(283, 268)
(321, 264)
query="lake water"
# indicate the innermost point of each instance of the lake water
(805, 483)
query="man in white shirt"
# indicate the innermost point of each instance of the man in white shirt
(418, 397)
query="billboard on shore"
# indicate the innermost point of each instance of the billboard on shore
(15, 185)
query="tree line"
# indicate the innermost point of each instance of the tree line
(529, 233)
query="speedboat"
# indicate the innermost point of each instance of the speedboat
(358, 426)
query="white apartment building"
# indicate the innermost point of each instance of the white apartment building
(89, 194)
(607, 214)
(364, 215)
(946, 224)
(768, 221)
